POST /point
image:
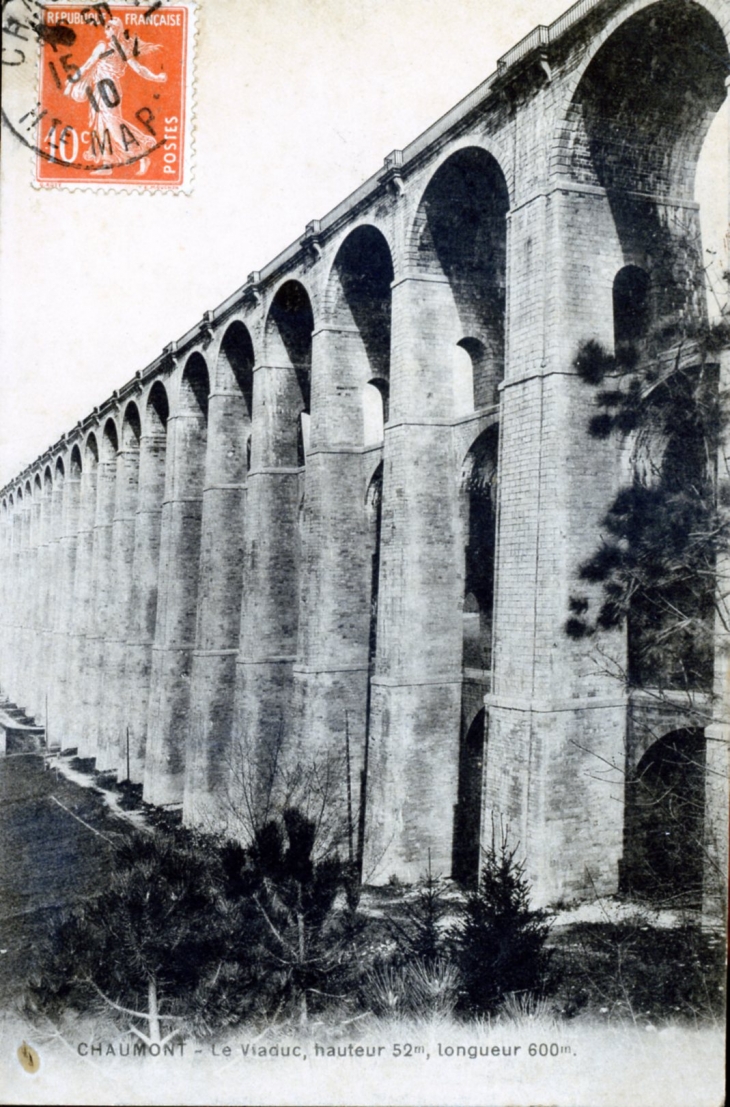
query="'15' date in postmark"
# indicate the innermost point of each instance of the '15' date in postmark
(113, 95)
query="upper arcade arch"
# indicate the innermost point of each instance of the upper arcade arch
(76, 464)
(131, 427)
(642, 108)
(91, 449)
(109, 441)
(194, 387)
(157, 409)
(479, 477)
(288, 332)
(715, 10)
(288, 343)
(358, 308)
(664, 820)
(631, 307)
(459, 235)
(358, 292)
(235, 362)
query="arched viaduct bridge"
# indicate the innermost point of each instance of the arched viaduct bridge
(324, 544)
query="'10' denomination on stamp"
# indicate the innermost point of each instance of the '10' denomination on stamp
(113, 95)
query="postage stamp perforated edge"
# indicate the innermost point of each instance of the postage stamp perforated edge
(105, 186)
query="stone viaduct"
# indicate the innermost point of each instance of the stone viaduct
(323, 546)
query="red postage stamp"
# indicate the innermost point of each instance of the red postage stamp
(114, 95)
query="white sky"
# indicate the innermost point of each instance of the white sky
(298, 101)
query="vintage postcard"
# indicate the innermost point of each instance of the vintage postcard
(364, 552)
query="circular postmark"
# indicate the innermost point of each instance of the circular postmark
(109, 89)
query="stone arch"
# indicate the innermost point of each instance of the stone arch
(76, 465)
(664, 820)
(478, 486)
(631, 308)
(288, 334)
(91, 450)
(194, 387)
(459, 233)
(715, 9)
(468, 812)
(635, 125)
(131, 427)
(478, 507)
(233, 421)
(288, 329)
(157, 408)
(358, 301)
(375, 395)
(669, 626)
(143, 588)
(60, 471)
(235, 362)
(193, 402)
(168, 720)
(37, 485)
(109, 441)
(220, 581)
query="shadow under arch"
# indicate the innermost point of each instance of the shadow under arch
(664, 821)
(131, 427)
(189, 455)
(157, 409)
(195, 387)
(236, 360)
(91, 450)
(109, 441)
(359, 294)
(468, 811)
(635, 126)
(479, 511)
(460, 232)
(631, 309)
(76, 464)
(288, 331)
(359, 300)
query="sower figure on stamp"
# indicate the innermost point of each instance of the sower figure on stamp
(114, 141)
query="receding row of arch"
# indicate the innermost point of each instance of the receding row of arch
(632, 315)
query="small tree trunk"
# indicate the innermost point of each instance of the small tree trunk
(153, 1016)
(302, 959)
